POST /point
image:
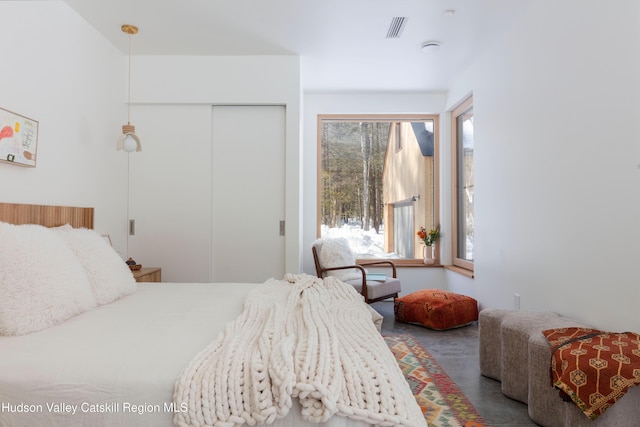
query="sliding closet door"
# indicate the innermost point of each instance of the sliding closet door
(248, 184)
(169, 190)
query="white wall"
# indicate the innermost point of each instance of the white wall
(412, 278)
(557, 162)
(59, 71)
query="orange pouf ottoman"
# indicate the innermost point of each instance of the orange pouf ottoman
(436, 309)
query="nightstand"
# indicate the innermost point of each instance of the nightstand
(149, 274)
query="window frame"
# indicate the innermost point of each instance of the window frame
(436, 172)
(466, 265)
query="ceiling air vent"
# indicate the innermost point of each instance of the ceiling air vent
(396, 27)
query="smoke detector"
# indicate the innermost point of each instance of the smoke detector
(430, 47)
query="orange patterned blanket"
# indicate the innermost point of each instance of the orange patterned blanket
(594, 368)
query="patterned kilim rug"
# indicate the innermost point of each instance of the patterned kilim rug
(441, 401)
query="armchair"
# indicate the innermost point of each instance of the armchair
(333, 257)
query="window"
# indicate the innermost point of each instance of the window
(398, 135)
(463, 185)
(377, 181)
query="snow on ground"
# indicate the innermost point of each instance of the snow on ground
(364, 244)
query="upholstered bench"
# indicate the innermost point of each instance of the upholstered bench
(514, 351)
(436, 309)
(516, 329)
(504, 337)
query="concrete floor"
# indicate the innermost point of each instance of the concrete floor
(456, 350)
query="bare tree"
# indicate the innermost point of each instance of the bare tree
(365, 146)
(375, 187)
(352, 159)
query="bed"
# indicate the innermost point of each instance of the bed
(117, 362)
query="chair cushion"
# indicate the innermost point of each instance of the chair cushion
(376, 289)
(436, 309)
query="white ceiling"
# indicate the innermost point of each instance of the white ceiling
(342, 43)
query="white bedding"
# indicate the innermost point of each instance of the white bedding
(116, 365)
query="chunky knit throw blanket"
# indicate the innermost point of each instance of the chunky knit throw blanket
(301, 337)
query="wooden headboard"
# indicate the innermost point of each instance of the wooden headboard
(49, 216)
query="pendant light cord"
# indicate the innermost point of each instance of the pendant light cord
(129, 88)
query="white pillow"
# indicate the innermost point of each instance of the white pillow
(336, 252)
(41, 281)
(109, 275)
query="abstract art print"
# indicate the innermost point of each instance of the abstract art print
(18, 139)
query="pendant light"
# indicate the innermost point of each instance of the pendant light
(129, 141)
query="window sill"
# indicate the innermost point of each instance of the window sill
(401, 263)
(460, 270)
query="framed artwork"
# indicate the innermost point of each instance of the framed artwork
(18, 139)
